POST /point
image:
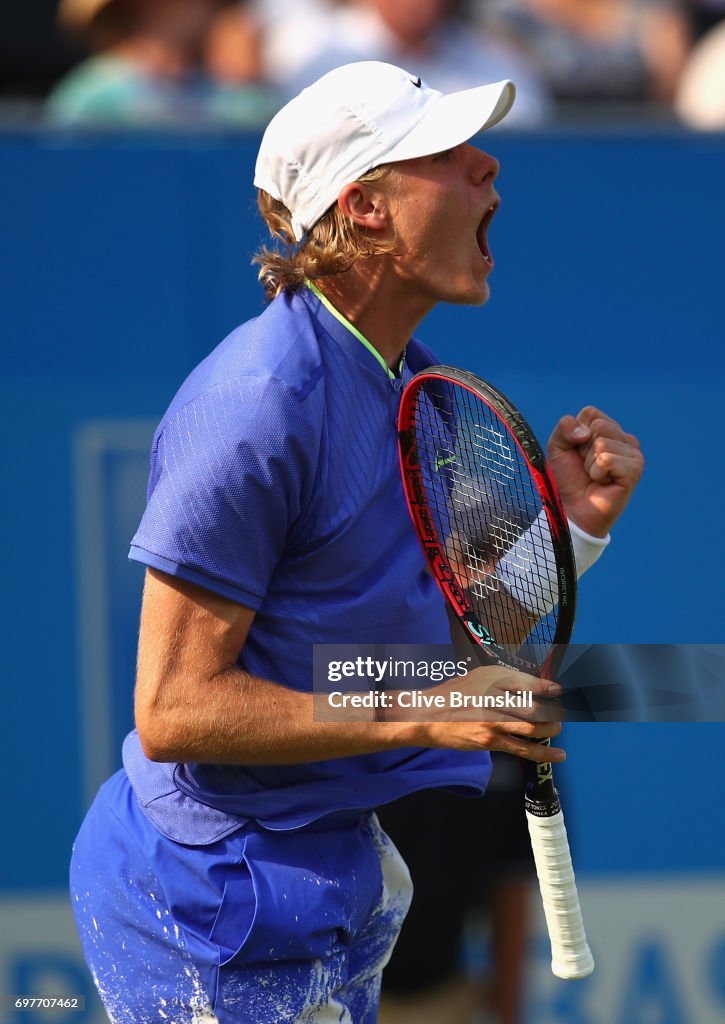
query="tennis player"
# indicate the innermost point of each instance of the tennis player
(234, 870)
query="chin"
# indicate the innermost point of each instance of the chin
(476, 295)
(482, 299)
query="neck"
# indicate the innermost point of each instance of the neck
(371, 297)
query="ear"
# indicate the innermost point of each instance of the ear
(364, 206)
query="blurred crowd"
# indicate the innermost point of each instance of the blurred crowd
(233, 62)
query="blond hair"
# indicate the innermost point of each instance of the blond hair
(330, 247)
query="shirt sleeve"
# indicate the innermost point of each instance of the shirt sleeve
(230, 473)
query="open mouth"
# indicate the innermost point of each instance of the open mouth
(482, 235)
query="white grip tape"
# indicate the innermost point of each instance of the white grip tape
(528, 569)
(570, 955)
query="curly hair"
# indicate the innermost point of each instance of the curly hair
(330, 247)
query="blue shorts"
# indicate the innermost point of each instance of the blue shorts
(260, 927)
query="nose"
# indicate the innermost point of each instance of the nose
(483, 166)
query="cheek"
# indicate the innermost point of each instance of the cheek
(417, 234)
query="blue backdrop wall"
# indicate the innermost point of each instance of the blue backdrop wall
(125, 259)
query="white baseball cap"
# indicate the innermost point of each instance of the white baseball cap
(357, 117)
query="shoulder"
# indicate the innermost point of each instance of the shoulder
(260, 383)
(272, 355)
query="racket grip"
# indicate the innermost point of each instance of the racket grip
(570, 954)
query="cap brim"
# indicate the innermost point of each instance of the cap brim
(454, 119)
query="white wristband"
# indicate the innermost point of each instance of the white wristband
(532, 550)
(587, 549)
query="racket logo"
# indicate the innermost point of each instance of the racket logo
(442, 461)
(563, 592)
(482, 633)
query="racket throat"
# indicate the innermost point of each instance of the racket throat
(542, 804)
(540, 795)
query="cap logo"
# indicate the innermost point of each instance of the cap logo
(416, 82)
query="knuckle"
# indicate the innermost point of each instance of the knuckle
(605, 425)
(588, 412)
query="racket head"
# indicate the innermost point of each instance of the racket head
(489, 518)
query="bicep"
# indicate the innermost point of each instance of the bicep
(188, 635)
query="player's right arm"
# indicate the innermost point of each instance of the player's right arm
(194, 704)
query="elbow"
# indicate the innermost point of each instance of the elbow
(156, 743)
(160, 733)
(159, 718)
(155, 750)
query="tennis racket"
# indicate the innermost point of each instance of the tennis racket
(489, 518)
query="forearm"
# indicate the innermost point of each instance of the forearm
(237, 718)
(241, 719)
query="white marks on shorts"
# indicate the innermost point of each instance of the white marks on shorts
(321, 1005)
(381, 931)
(148, 974)
(204, 1016)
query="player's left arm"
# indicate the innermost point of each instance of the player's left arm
(596, 465)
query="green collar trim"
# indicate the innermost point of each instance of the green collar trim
(353, 330)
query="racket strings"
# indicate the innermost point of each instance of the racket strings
(488, 514)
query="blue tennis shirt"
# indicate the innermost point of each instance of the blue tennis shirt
(275, 483)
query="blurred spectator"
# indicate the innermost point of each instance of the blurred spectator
(428, 37)
(33, 52)
(599, 50)
(700, 100)
(233, 47)
(290, 32)
(704, 15)
(147, 67)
